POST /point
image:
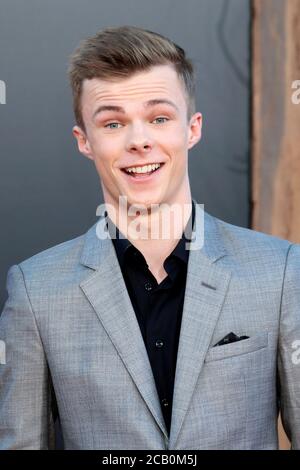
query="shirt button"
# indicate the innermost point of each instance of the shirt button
(148, 286)
(159, 343)
(165, 402)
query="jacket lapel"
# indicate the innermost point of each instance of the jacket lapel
(206, 287)
(106, 291)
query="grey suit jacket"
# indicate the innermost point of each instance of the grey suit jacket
(70, 332)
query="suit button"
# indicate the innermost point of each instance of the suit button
(159, 343)
(165, 402)
(148, 286)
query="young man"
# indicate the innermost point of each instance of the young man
(138, 341)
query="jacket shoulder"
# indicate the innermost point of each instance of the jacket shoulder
(249, 243)
(57, 258)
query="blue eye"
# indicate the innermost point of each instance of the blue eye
(161, 120)
(113, 125)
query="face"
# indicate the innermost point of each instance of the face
(136, 122)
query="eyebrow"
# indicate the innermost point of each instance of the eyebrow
(148, 104)
(161, 101)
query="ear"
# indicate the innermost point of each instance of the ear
(82, 142)
(195, 130)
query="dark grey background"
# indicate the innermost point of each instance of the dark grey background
(48, 191)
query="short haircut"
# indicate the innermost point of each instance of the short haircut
(116, 53)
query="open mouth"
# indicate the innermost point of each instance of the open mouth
(143, 174)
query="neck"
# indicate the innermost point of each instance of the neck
(154, 231)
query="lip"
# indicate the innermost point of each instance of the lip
(142, 178)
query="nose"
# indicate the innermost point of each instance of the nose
(139, 140)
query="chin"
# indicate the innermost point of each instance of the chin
(145, 202)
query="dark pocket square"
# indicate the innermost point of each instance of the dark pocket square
(230, 338)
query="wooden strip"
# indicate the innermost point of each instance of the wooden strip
(276, 123)
(276, 120)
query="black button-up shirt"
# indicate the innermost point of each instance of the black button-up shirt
(158, 308)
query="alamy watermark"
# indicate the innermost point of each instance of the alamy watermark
(296, 353)
(2, 352)
(296, 94)
(2, 92)
(134, 221)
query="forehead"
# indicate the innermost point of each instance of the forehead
(158, 82)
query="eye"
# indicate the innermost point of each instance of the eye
(112, 125)
(160, 120)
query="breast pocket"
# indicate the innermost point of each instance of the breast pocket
(238, 348)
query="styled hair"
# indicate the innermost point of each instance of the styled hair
(116, 53)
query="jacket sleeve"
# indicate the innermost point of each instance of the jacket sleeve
(289, 348)
(26, 418)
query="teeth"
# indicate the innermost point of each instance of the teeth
(143, 169)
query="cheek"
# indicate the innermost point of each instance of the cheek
(106, 150)
(177, 138)
(177, 145)
(172, 144)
